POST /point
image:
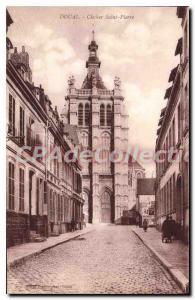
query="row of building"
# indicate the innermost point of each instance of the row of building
(172, 175)
(43, 196)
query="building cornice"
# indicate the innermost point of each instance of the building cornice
(172, 100)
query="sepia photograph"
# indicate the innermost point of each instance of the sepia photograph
(97, 150)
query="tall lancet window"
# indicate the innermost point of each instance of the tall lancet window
(87, 114)
(80, 114)
(109, 115)
(102, 115)
(105, 153)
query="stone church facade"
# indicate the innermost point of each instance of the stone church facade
(102, 124)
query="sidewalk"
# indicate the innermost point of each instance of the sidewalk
(19, 253)
(173, 256)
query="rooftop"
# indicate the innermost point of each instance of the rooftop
(134, 163)
(71, 132)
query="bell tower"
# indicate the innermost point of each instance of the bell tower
(102, 126)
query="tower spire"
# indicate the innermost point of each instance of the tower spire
(93, 35)
(93, 79)
(93, 32)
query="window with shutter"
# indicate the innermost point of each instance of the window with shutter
(37, 193)
(51, 205)
(21, 189)
(21, 133)
(45, 192)
(59, 216)
(11, 185)
(11, 129)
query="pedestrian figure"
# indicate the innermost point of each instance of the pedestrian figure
(145, 225)
(172, 225)
(166, 230)
(72, 225)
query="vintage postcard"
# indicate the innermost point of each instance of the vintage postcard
(97, 150)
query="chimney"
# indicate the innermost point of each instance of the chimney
(23, 49)
(15, 50)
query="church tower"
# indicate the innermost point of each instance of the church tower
(103, 129)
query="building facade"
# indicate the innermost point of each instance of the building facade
(103, 128)
(172, 187)
(145, 204)
(43, 195)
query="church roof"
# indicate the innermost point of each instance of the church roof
(168, 92)
(173, 74)
(178, 49)
(71, 132)
(9, 20)
(87, 83)
(134, 163)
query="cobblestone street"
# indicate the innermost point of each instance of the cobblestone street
(109, 260)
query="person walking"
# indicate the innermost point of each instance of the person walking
(166, 230)
(145, 225)
(172, 225)
(72, 225)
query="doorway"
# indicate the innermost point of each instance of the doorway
(105, 207)
(179, 208)
(31, 173)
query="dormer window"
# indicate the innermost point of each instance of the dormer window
(22, 72)
(37, 94)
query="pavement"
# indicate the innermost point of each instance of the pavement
(19, 253)
(107, 260)
(173, 256)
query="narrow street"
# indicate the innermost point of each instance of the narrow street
(109, 260)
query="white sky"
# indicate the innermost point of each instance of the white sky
(139, 51)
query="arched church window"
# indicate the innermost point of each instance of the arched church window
(80, 114)
(102, 115)
(87, 114)
(84, 139)
(105, 153)
(105, 140)
(109, 115)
